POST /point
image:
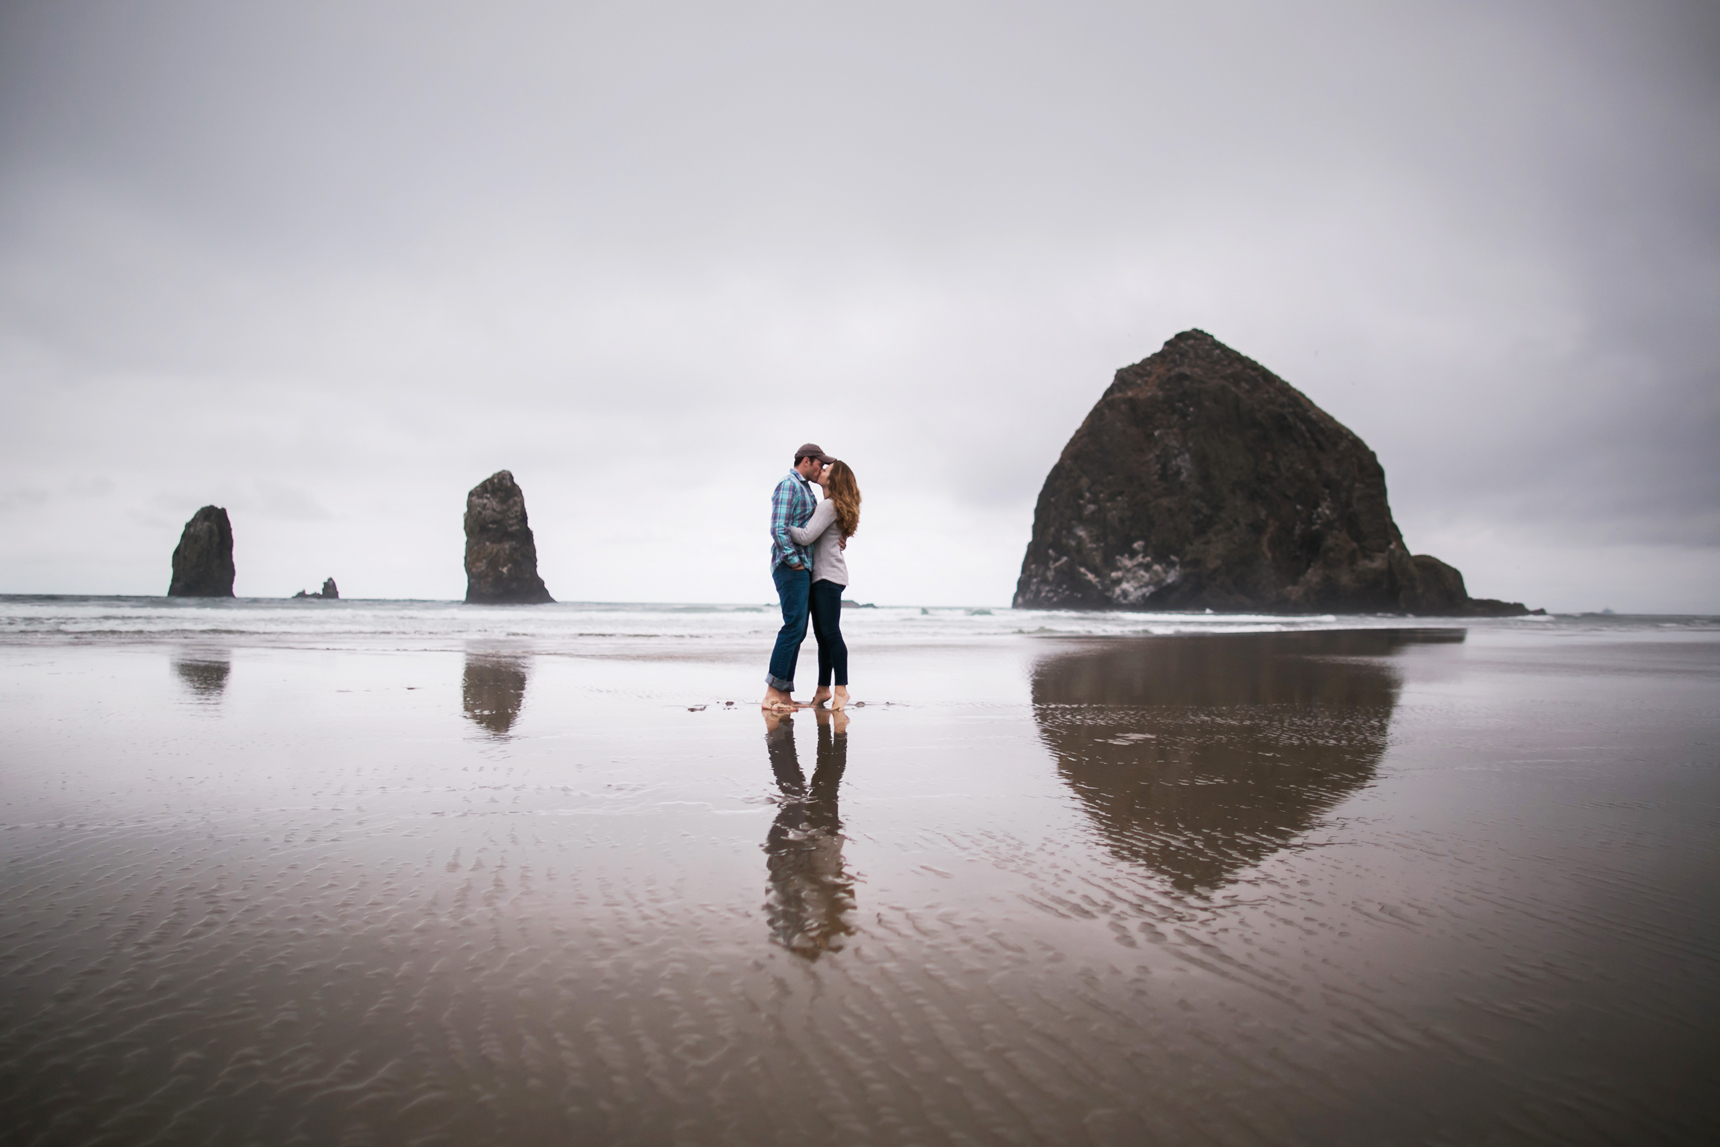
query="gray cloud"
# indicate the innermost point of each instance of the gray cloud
(336, 263)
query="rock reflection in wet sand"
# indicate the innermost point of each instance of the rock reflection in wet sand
(205, 674)
(492, 689)
(1201, 756)
(811, 892)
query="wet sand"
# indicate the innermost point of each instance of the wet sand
(1392, 886)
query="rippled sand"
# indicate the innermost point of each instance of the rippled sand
(1344, 887)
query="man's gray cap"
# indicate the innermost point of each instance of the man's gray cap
(813, 450)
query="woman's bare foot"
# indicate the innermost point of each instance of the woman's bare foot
(821, 696)
(777, 701)
(841, 700)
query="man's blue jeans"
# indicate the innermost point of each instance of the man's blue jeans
(792, 588)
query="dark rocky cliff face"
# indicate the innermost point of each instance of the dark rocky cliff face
(203, 559)
(1201, 480)
(501, 557)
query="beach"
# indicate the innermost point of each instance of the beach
(423, 873)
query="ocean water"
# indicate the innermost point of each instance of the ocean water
(586, 628)
(408, 872)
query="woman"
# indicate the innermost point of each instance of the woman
(827, 532)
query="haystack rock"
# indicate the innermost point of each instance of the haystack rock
(203, 559)
(501, 558)
(1201, 480)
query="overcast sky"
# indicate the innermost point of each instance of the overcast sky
(331, 265)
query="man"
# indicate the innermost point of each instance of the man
(791, 568)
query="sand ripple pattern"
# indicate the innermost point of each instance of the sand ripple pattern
(1253, 889)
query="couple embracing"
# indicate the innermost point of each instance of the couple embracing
(807, 540)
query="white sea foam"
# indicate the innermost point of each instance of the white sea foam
(614, 629)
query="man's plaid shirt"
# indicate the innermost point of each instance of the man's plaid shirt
(791, 505)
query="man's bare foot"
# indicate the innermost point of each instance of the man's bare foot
(841, 700)
(821, 696)
(777, 701)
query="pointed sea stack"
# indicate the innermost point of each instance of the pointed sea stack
(1201, 480)
(501, 558)
(203, 559)
(329, 592)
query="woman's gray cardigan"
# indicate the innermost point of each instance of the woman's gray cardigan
(825, 537)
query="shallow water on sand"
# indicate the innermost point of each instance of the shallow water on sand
(1391, 885)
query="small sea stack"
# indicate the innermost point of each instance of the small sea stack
(501, 557)
(329, 592)
(1201, 480)
(203, 559)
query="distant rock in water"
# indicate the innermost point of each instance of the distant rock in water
(203, 559)
(501, 558)
(1201, 480)
(329, 592)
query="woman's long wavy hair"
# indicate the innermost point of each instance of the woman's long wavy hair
(845, 492)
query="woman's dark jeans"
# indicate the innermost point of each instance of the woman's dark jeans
(826, 603)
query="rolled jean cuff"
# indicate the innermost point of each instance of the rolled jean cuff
(779, 683)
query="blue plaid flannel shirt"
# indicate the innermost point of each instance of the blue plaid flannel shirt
(791, 505)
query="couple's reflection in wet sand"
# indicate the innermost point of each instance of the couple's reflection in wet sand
(811, 892)
(1201, 756)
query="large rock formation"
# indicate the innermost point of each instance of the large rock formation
(1201, 480)
(501, 558)
(203, 559)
